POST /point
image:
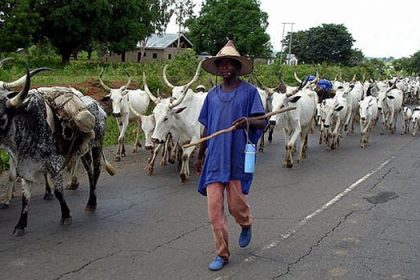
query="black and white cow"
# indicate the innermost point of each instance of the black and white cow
(27, 136)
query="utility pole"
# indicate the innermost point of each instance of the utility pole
(290, 42)
(281, 42)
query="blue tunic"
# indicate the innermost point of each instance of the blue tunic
(225, 153)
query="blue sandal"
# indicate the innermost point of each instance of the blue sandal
(245, 237)
(218, 263)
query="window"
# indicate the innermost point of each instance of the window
(169, 56)
(154, 55)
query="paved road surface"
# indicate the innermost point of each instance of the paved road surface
(344, 214)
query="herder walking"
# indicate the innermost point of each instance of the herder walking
(230, 103)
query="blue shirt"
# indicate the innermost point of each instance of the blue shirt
(225, 153)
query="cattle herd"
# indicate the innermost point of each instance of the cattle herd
(40, 147)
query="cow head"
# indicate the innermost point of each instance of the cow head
(166, 114)
(118, 96)
(12, 101)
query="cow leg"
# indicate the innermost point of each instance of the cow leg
(151, 162)
(184, 175)
(59, 194)
(93, 171)
(74, 184)
(48, 192)
(23, 219)
(261, 146)
(137, 143)
(270, 133)
(291, 146)
(303, 143)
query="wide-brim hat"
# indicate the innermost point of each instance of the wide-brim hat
(228, 51)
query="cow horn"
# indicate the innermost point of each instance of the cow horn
(107, 88)
(296, 77)
(4, 60)
(16, 101)
(184, 91)
(165, 78)
(353, 79)
(336, 76)
(146, 89)
(129, 79)
(314, 81)
(19, 82)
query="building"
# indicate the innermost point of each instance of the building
(292, 60)
(157, 47)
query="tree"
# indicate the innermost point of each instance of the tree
(331, 43)
(183, 11)
(71, 24)
(17, 25)
(414, 63)
(240, 20)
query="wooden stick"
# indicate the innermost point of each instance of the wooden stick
(233, 127)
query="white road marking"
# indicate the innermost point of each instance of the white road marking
(275, 242)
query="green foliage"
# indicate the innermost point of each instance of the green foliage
(4, 161)
(240, 20)
(414, 64)
(330, 43)
(17, 25)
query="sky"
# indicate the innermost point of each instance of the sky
(381, 28)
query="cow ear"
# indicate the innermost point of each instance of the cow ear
(390, 97)
(339, 108)
(179, 110)
(294, 99)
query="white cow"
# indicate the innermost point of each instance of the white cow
(122, 98)
(180, 116)
(368, 110)
(390, 105)
(297, 122)
(415, 118)
(335, 114)
(407, 114)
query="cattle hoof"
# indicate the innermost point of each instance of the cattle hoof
(117, 158)
(19, 232)
(183, 178)
(4, 206)
(149, 169)
(171, 160)
(261, 150)
(289, 165)
(66, 221)
(72, 186)
(90, 209)
(48, 196)
(382, 133)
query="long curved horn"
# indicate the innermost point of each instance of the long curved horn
(19, 82)
(336, 76)
(314, 81)
(107, 88)
(353, 79)
(129, 79)
(16, 101)
(296, 77)
(4, 60)
(184, 91)
(165, 79)
(146, 89)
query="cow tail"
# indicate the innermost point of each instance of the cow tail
(108, 167)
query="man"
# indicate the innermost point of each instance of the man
(225, 105)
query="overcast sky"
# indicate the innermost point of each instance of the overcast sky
(381, 28)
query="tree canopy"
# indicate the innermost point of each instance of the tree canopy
(17, 25)
(240, 20)
(330, 43)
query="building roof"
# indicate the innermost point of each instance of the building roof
(163, 41)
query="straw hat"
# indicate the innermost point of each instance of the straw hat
(228, 51)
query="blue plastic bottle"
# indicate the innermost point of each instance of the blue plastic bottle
(250, 151)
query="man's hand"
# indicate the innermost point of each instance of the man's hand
(198, 166)
(240, 123)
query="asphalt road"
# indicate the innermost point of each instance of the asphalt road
(351, 213)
